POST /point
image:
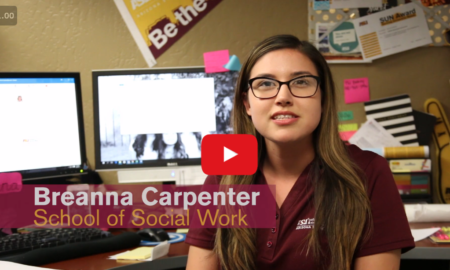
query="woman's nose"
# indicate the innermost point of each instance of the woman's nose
(284, 96)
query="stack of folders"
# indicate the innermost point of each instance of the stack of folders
(409, 159)
(412, 176)
(410, 166)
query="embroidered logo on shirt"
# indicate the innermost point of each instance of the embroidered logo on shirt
(307, 223)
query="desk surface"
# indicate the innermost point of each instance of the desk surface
(425, 249)
(101, 261)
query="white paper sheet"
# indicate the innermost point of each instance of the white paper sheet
(16, 266)
(420, 234)
(392, 31)
(372, 135)
(355, 3)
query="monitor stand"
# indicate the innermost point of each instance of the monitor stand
(87, 177)
(181, 175)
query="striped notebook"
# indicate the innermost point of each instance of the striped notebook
(395, 114)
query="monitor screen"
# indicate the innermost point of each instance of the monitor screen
(158, 117)
(41, 122)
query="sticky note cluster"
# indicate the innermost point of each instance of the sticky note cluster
(346, 131)
(220, 61)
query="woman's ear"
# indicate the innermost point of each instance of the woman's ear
(246, 103)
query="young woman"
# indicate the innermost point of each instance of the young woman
(285, 97)
(165, 146)
(169, 146)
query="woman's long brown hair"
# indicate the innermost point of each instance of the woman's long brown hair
(342, 207)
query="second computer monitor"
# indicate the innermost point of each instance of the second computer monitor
(41, 122)
(158, 117)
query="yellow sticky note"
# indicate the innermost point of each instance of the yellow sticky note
(140, 253)
(182, 230)
(348, 127)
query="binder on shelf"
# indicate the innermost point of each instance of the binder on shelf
(402, 151)
(409, 184)
(395, 114)
(410, 165)
(425, 126)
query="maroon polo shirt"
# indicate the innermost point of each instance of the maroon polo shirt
(284, 247)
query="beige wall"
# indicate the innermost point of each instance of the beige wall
(82, 35)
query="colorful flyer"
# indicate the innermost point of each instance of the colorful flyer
(339, 46)
(392, 31)
(157, 24)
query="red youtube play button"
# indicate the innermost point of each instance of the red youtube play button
(235, 154)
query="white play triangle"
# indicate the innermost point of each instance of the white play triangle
(227, 154)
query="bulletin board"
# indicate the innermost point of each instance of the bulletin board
(319, 21)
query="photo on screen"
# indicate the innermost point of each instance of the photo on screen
(162, 116)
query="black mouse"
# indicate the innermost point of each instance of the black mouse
(153, 235)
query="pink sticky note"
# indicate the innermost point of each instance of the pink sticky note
(10, 182)
(214, 61)
(356, 90)
(346, 135)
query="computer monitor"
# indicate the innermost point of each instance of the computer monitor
(41, 120)
(149, 123)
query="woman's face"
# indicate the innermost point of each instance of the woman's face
(170, 138)
(284, 65)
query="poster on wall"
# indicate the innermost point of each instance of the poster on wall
(157, 24)
(392, 31)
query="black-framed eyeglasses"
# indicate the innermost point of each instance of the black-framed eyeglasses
(301, 87)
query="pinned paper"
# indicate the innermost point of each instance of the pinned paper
(215, 61)
(346, 135)
(233, 64)
(356, 90)
(420, 234)
(345, 115)
(10, 182)
(373, 135)
(407, 29)
(348, 127)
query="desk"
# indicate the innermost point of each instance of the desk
(426, 255)
(101, 261)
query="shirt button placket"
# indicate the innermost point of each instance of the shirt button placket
(274, 237)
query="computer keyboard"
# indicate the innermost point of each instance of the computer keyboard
(67, 251)
(46, 238)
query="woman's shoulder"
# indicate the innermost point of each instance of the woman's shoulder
(364, 158)
(374, 166)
